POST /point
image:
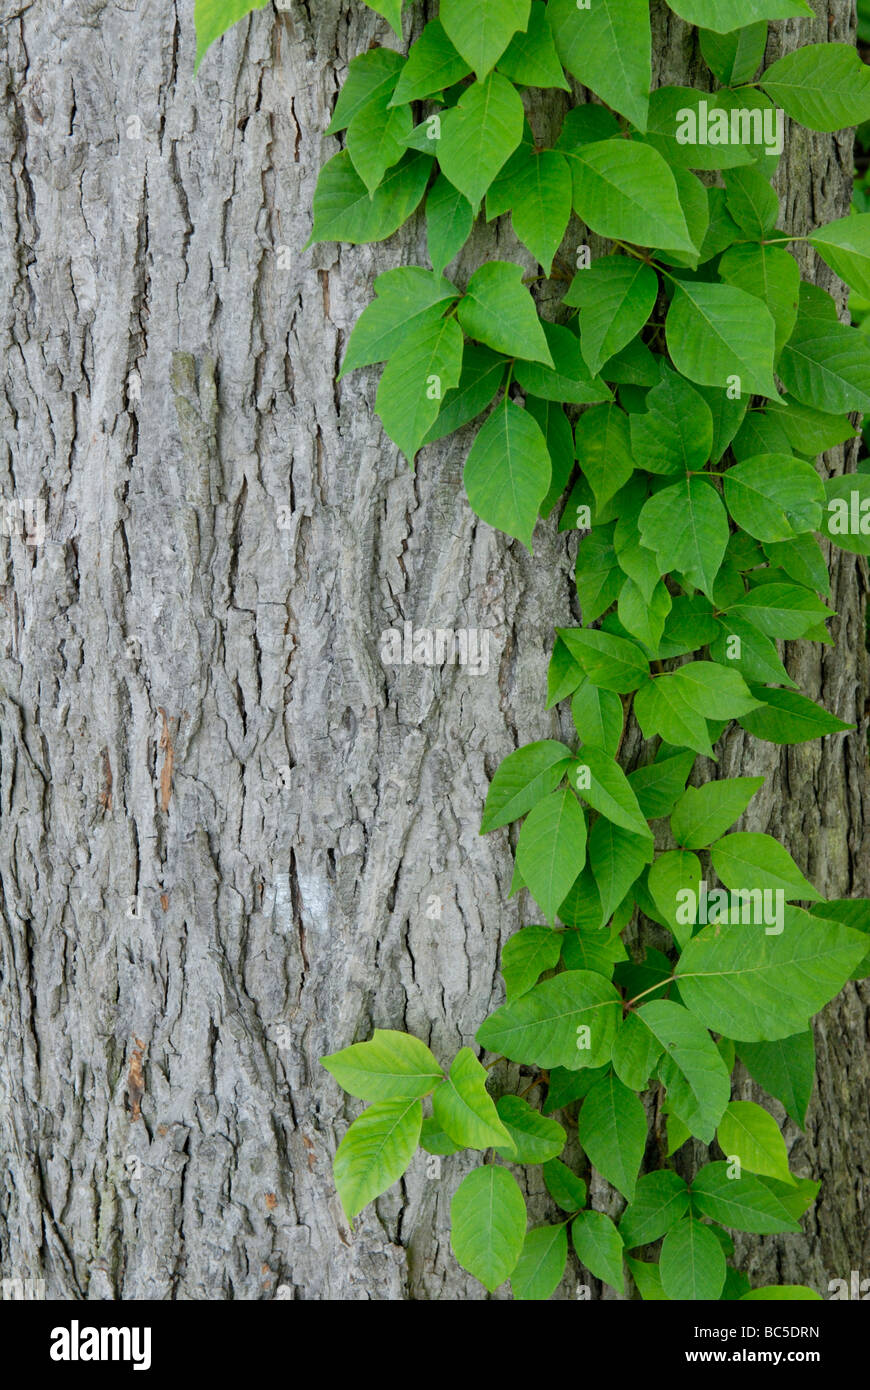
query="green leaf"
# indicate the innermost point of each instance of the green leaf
(568, 379)
(531, 58)
(522, 780)
(566, 1189)
(644, 617)
(599, 1247)
(551, 850)
(215, 17)
(716, 331)
(788, 717)
(661, 1199)
(781, 610)
(735, 57)
(377, 138)
(617, 858)
(825, 364)
(449, 219)
(782, 1293)
(499, 311)
(692, 1263)
(770, 274)
(675, 433)
(775, 497)
(564, 1087)
(598, 717)
(844, 245)
(672, 874)
(749, 1133)
(534, 1138)
(847, 513)
(414, 381)
(609, 791)
(824, 86)
(752, 202)
(406, 298)
(507, 473)
(741, 1204)
(526, 955)
(749, 860)
(375, 1152)
(659, 784)
(603, 443)
(391, 11)
(724, 15)
(435, 1141)
(563, 675)
(465, 1110)
(615, 296)
(810, 431)
(481, 32)
(785, 1069)
(626, 191)
(432, 65)
(545, 1027)
(479, 135)
(541, 1264)
(612, 1129)
(556, 429)
(597, 573)
(541, 204)
(635, 1053)
(344, 211)
(609, 662)
(371, 78)
(488, 1224)
(692, 1070)
(648, 1280)
(608, 48)
(482, 375)
(390, 1066)
(680, 119)
(687, 526)
(754, 987)
(704, 813)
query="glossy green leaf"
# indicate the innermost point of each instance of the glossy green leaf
(215, 17)
(609, 790)
(675, 433)
(432, 65)
(344, 210)
(449, 219)
(375, 1152)
(427, 365)
(531, 57)
(741, 1203)
(615, 297)
(498, 310)
(785, 1068)
(598, 717)
(612, 1129)
(607, 47)
(465, 1110)
(724, 15)
(750, 1134)
(789, 717)
(608, 661)
(566, 1189)
(390, 1066)
(750, 860)
(704, 813)
(526, 955)
(523, 779)
(735, 57)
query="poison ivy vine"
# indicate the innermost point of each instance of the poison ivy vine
(693, 380)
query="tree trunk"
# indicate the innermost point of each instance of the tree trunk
(232, 839)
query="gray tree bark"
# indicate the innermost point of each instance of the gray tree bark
(227, 829)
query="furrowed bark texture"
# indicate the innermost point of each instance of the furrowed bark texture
(231, 838)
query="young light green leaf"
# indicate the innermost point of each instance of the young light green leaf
(661, 1199)
(702, 814)
(692, 1263)
(371, 78)
(390, 1066)
(724, 15)
(612, 1129)
(781, 610)
(377, 139)
(567, 1021)
(716, 331)
(826, 364)
(782, 1293)
(608, 661)
(507, 473)
(215, 17)
(482, 32)
(480, 133)
(824, 86)
(344, 210)
(498, 310)
(531, 58)
(648, 1280)
(488, 1224)
(785, 1069)
(752, 201)
(566, 1189)
(686, 525)
(414, 381)
(692, 1070)
(626, 191)
(435, 1141)
(608, 48)
(526, 955)
(376, 1151)
(750, 1134)
(598, 717)
(391, 11)
(750, 860)
(465, 1110)
(615, 297)
(541, 1264)
(432, 65)
(742, 1204)
(756, 987)
(599, 1247)
(662, 707)
(551, 850)
(534, 1138)
(523, 779)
